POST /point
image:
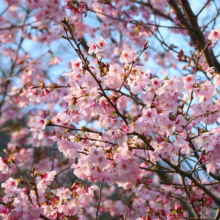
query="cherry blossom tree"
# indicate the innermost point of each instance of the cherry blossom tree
(112, 109)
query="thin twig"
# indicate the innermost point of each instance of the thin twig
(126, 211)
(4, 10)
(203, 8)
(200, 116)
(100, 197)
(63, 170)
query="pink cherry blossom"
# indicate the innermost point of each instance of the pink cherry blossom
(209, 70)
(92, 47)
(54, 61)
(3, 167)
(120, 120)
(38, 133)
(127, 56)
(217, 81)
(46, 180)
(39, 123)
(33, 95)
(10, 186)
(214, 35)
(63, 193)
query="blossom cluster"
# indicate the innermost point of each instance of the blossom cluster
(112, 136)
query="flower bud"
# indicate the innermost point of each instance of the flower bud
(48, 123)
(19, 180)
(10, 160)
